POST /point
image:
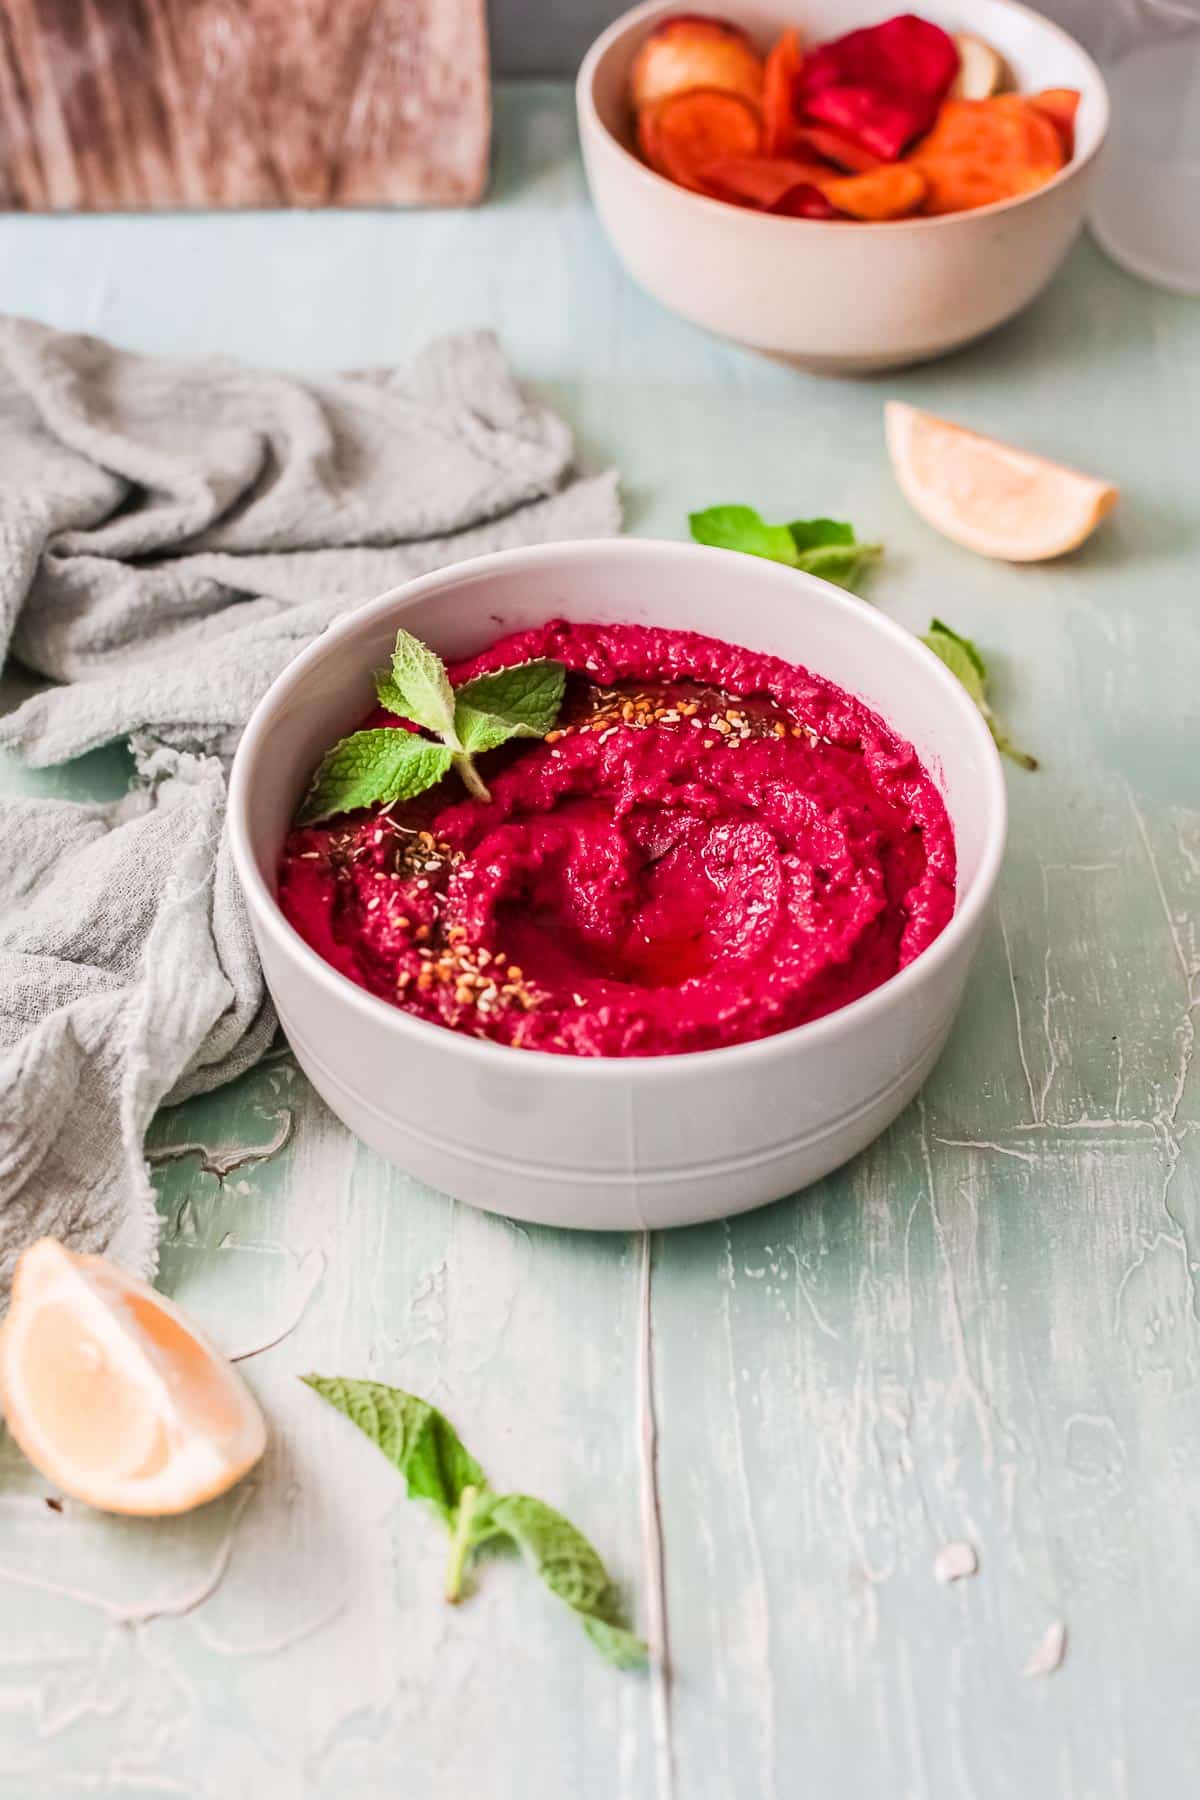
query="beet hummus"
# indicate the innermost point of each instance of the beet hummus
(711, 846)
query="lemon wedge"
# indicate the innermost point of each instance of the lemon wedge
(989, 496)
(113, 1395)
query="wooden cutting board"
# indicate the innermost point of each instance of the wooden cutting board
(133, 105)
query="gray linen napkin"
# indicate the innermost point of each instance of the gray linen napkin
(171, 534)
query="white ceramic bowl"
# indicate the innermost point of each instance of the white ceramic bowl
(634, 1142)
(835, 296)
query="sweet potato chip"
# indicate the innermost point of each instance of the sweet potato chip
(681, 134)
(758, 180)
(981, 151)
(779, 88)
(784, 184)
(892, 192)
(1060, 106)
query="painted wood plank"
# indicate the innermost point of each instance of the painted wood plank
(145, 104)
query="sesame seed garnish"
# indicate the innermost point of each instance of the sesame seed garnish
(470, 975)
(612, 708)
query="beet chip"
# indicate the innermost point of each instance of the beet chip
(883, 121)
(905, 53)
(882, 85)
(806, 202)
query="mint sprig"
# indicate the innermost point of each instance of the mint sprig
(423, 1445)
(825, 547)
(963, 659)
(385, 764)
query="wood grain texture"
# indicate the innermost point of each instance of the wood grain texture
(983, 1330)
(148, 104)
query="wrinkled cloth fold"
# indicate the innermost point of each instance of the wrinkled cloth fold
(172, 533)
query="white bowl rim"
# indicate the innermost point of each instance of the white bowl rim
(586, 105)
(599, 1068)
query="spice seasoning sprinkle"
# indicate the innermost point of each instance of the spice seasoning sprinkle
(611, 709)
(418, 853)
(399, 852)
(473, 977)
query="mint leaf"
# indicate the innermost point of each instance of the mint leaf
(829, 548)
(370, 767)
(519, 702)
(622, 1648)
(815, 534)
(388, 694)
(963, 659)
(571, 1569)
(824, 547)
(419, 688)
(415, 1437)
(843, 565)
(423, 1445)
(741, 528)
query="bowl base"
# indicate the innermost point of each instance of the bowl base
(865, 365)
(587, 1199)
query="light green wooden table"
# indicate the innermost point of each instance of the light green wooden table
(984, 1330)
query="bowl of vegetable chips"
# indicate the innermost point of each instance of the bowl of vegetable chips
(847, 191)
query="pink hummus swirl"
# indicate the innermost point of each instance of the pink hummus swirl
(714, 846)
